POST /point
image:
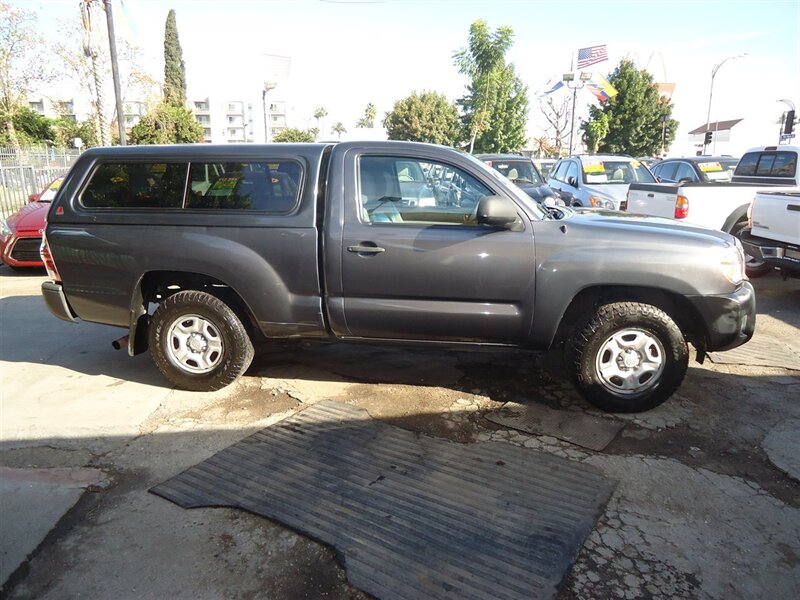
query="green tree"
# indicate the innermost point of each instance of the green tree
(425, 117)
(637, 116)
(293, 135)
(595, 132)
(167, 124)
(22, 63)
(67, 130)
(338, 129)
(369, 117)
(495, 108)
(174, 68)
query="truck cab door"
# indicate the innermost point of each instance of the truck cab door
(416, 264)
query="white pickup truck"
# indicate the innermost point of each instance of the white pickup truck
(774, 232)
(721, 206)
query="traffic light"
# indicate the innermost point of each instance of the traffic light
(707, 139)
(789, 124)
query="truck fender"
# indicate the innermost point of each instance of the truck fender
(736, 216)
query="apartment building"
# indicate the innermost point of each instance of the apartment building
(237, 121)
(54, 108)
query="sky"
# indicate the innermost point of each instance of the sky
(345, 54)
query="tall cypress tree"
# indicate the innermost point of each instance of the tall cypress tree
(174, 69)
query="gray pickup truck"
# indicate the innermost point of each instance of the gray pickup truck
(199, 250)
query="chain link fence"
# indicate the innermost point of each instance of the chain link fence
(26, 171)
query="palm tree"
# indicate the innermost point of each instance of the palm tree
(320, 115)
(369, 116)
(338, 129)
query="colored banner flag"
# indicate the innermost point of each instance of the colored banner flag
(552, 86)
(601, 88)
(591, 55)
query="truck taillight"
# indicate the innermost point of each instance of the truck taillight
(681, 207)
(750, 216)
(48, 261)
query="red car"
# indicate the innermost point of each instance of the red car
(21, 233)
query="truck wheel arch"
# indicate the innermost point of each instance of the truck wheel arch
(737, 215)
(588, 299)
(153, 287)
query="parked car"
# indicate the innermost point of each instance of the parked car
(523, 172)
(545, 166)
(695, 169)
(597, 180)
(21, 233)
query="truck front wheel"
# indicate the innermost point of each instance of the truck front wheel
(198, 342)
(629, 357)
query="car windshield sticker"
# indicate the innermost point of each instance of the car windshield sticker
(601, 178)
(636, 163)
(593, 167)
(718, 176)
(706, 167)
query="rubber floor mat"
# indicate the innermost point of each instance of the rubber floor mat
(411, 516)
(575, 427)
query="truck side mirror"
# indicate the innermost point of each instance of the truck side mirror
(572, 181)
(496, 211)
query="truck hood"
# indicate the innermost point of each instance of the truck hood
(623, 224)
(30, 218)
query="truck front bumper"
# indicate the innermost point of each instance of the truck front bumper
(56, 301)
(730, 318)
(778, 254)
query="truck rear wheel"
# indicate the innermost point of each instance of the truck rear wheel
(198, 342)
(629, 357)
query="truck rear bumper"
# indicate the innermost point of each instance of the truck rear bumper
(56, 301)
(775, 253)
(730, 318)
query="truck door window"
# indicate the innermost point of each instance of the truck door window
(135, 185)
(406, 190)
(263, 186)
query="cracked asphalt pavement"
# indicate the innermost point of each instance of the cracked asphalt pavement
(707, 503)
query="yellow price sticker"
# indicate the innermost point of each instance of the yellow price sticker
(707, 167)
(636, 163)
(594, 168)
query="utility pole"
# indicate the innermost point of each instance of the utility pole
(112, 45)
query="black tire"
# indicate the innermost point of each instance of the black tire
(593, 345)
(228, 350)
(753, 267)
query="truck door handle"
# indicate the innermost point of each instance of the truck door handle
(793, 207)
(651, 195)
(362, 249)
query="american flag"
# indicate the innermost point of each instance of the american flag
(591, 55)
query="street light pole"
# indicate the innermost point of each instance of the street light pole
(711, 93)
(268, 85)
(567, 78)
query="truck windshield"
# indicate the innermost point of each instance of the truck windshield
(622, 171)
